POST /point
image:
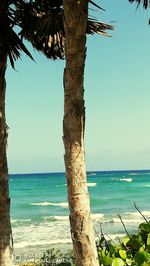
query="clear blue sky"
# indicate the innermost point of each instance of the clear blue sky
(117, 94)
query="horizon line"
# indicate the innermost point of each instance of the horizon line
(88, 171)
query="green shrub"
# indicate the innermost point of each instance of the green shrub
(29, 264)
(54, 257)
(133, 250)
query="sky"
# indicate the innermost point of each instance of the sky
(117, 99)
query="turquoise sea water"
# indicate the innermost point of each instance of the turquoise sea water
(39, 209)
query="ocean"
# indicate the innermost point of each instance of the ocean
(39, 208)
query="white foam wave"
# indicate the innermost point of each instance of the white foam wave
(132, 217)
(61, 204)
(13, 221)
(44, 242)
(24, 244)
(62, 218)
(146, 213)
(114, 236)
(61, 241)
(126, 179)
(63, 185)
(91, 174)
(128, 221)
(91, 184)
(134, 174)
(97, 216)
(44, 233)
(20, 220)
(137, 214)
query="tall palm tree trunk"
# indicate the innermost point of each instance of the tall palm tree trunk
(5, 226)
(82, 232)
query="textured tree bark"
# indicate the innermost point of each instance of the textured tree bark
(5, 226)
(82, 233)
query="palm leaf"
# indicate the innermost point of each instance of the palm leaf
(145, 3)
(94, 26)
(43, 26)
(42, 23)
(96, 5)
(10, 42)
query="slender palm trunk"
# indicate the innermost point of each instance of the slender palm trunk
(5, 226)
(73, 127)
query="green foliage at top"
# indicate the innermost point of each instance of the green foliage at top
(132, 250)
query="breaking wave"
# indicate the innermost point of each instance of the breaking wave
(91, 184)
(61, 204)
(126, 179)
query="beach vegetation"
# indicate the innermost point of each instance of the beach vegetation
(54, 257)
(132, 250)
(29, 263)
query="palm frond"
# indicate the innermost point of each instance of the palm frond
(48, 3)
(94, 26)
(43, 26)
(42, 23)
(96, 5)
(145, 3)
(10, 42)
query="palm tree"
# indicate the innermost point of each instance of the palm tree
(59, 29)
(146, 3)
(76, 16)
(10, 46)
